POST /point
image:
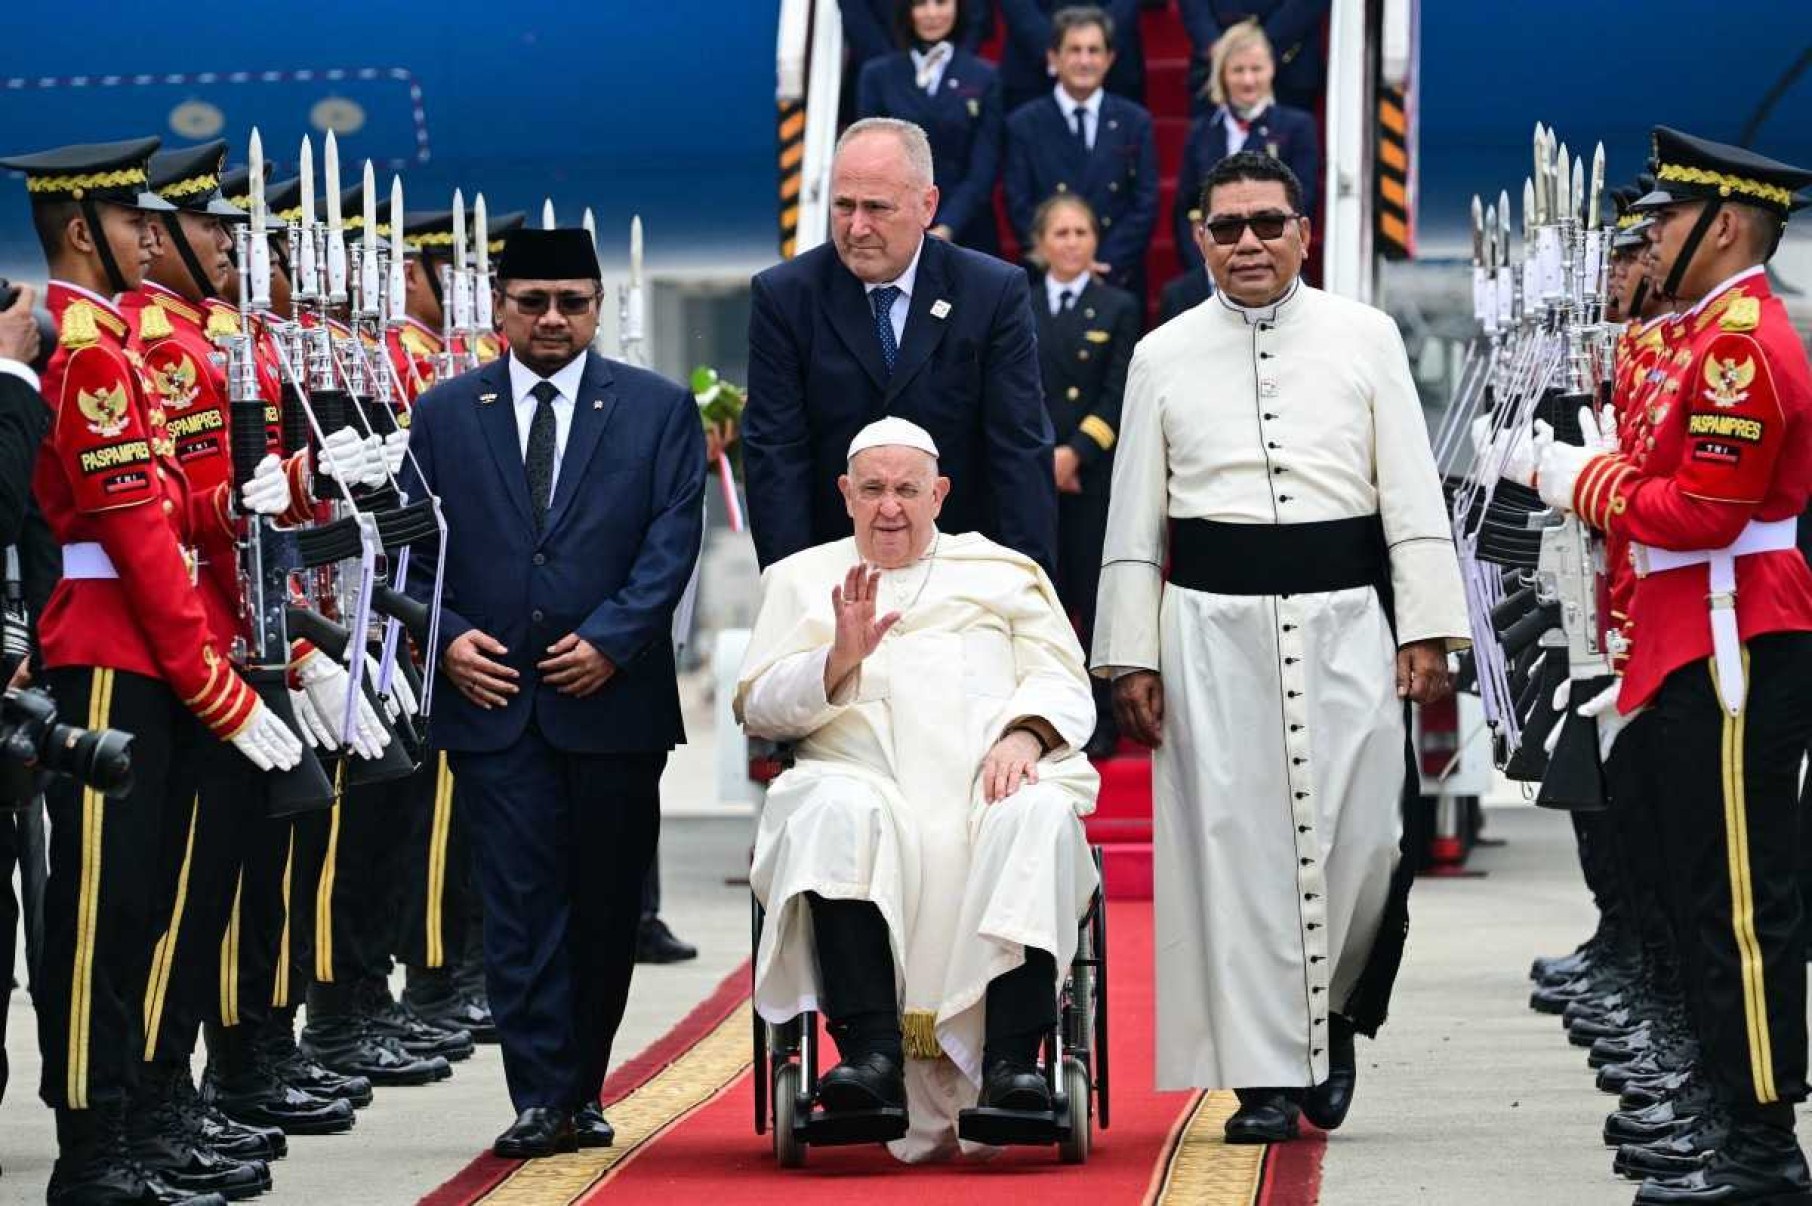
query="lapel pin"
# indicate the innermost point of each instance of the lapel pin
(487, 399)
(940, 308)
(597, 404)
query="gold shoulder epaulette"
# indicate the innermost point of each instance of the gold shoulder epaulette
(78, 329)
(1742, 314)
(153, 323)
(416, 343)
(222, 322)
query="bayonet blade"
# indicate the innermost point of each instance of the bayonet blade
(459, 231)
(368, 194)
(635, 251)
(547, 214)
(1478, 232)
(306, 171)
(481, 237)
(330, 155)
(1593, 198)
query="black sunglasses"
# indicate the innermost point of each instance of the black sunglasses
(1228, 231)
(570, 304)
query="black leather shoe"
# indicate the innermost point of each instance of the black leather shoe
(1587, 1027)
(277, 1042)
(347, 1046)
(592, 1128)
(1564, 967)
(1621, 1049)
(1640, 1094)
(439, 1001)
(1012, 1085)
(95, 1168)
(1653, 1064)
(162, 1136)
(1264, 1116)
(1326, 1104)
(418, 1037)
(865, 1082)
(1658, 1121)
(254, 1094)
(225, 1136)
(1746, 1173)
(1686, 1150)
(655, 943)
(537, 1132)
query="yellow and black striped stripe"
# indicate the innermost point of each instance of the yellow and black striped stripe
(163, 955)
(88, 902)
(435, 943)
(229, 958)
(1742, 901)
(792, 174)
(280, 988)
(1395, 229)
(324, 902)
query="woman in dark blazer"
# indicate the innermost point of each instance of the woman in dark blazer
(955, 97)
(1086, 333)
(1245, 117)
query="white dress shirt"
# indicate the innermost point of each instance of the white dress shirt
(523, 380)
(1054, 290)
(1070, 104)
(903, 303)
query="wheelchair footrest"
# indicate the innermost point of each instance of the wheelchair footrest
(839, 1128)
(1009, 1128)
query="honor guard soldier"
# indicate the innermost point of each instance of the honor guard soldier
(1719, 468)
(127, 644)
(491, 344)
(417, 343)
(1086, 332)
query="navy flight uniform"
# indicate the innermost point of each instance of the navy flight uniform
(965, 121)
(1083, 354)
(1024, 70)
(1117, 176)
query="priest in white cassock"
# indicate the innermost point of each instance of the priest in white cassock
(1273, 454)
(922, 863)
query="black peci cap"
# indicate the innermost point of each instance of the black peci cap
(101, 171)
(548, 255)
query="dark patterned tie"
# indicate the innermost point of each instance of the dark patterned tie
(1065, 300)
(882, 299)
(540, 460)
(1081, 116)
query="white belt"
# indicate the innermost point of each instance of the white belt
(87, 559)
(1777, 536)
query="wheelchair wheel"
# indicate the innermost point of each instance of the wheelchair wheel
(1074, 1148)
(789, 1150)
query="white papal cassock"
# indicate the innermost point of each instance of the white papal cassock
(1276, 788)
(882, 802)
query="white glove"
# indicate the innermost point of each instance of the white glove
(1602, 707)
(268, 491)
(375, 462)
(1558, 467)
(1599, 431)
(314, 729)
(400, 701)
(1562, 694)
(326, 682)
(1480, 432)
(395, 444)
(1517, 453)
(267, 741)
(342, 457)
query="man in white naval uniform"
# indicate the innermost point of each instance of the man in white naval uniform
(922, 862)
(1273, 453)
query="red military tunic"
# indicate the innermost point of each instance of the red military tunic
(1723, 438)
(1641, 347)
(416, 352)
(108, 475)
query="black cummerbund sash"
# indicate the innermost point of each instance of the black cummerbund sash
(1278, 558)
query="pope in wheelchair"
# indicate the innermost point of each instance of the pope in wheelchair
(922, 862)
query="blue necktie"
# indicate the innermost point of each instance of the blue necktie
(882, 299)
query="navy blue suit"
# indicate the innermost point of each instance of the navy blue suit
(1024, 73)
(965, 122)
(1280, 131)
(563, 793)
(868, 27)
(1118, 176)
(1294, 28)
(969, 376)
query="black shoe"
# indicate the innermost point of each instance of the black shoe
(1756, 1165)
(1015, 1085)
(278, 1045)
(1264, 1116)
(95, 1168)
(1659, 1121)
(418, 1037)
(346, 1045)
(164, 1138)
(1621, 1049)
(439, 1001)
(1686, 1150)
(1654, 1064)
(870, 1081)
(655, 943)
(1564, 967)
(240, 1141)
(538, 1131)
(257, 1096)
(1326, 1104)
(1640, 1094)
(1587, 1028)
(592, 1128)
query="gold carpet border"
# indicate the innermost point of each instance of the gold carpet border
(1206, 1170)
(695, 1078)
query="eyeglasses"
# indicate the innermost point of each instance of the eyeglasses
(1229, 230)
(570, 304)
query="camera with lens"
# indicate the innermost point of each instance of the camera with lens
(32, 741)
(47, 328)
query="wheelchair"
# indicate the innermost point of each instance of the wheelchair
(1074, 1062)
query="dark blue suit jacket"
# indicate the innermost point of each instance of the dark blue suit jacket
(1280, 131)
(1023, 73)
(1294, 27)
(868, 27)
(621, 537)
(965, 123)
(1118, 176)
(969, 377)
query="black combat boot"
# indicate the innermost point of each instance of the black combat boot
(1658, 1121)
(1759, 1162)
(436, 996)
(1686, 1150)
(341, 1039)
(244, 1085)
(277, 1040)
(420, 1038)
(162, 1136)
(95, 1168)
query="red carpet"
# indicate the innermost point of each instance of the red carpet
(683, 1111)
